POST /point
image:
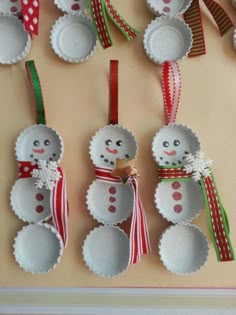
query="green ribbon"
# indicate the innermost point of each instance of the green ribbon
(35, 83)
(98, 11)
(225, 222)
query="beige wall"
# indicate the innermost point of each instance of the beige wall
(76, 102)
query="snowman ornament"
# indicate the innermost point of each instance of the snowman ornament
(178, 201)
(113, 196)
(39, 196)
(108, 145)
(186, 184)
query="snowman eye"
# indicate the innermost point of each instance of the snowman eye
(119, 143)
(176, 143)
(36, 143)
(108, 142)
(165, 144)
(47, 142)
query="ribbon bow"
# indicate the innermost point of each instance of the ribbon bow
(58, 197)
(197, 169)
(30, 14)
(193, 17)
(139, 237)
(98, 10)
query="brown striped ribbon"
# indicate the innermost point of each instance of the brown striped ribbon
(193, 17)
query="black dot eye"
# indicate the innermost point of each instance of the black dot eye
(119, 143)
(108, 142)
(47, 142)
(36, 143)
(165, 144)
(176, 143)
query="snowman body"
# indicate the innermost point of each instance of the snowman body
(35, 143)
(111, 202)
(180, 199)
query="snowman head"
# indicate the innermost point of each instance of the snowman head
(110, 143)
(39, 142)
(172, 143)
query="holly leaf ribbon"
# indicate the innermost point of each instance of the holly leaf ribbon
(194, 18)
(99, 9)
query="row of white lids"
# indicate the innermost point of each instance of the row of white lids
(74, 39)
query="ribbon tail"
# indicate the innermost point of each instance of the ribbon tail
(30, 13)
(99, 19)
(220, 16)
(139, 236)
(194, 19)
(217, 220)
(59, 206)
(128, 31)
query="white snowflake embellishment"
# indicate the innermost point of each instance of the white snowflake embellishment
(46, 175)
(197, 165)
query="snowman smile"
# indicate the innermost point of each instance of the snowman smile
(112, 151)
(38, 151)
(171, 153)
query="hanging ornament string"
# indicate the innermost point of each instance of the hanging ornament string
(99, 10)
(139, 236)
(35, 83)
(193, 17)
(30, 14)
(113, 119)
(47, 173)
(171, 103)
(197, 169)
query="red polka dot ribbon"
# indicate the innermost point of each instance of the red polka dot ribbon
(193, 17)
(58, 198)
(30, 14)
(171, 102)
(99, 10)
(217, 218)
(139, 236)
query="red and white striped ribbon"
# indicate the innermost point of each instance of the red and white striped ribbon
(171, 103)
(58, 199)
(139, 236)
(59, 207)
(30, 14)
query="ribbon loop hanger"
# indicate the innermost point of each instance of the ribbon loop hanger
(35, 83)
(171, 102)
(113, 117)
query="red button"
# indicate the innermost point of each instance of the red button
(39, 209)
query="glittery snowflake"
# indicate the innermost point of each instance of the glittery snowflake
(46, 175)
(197, 165)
